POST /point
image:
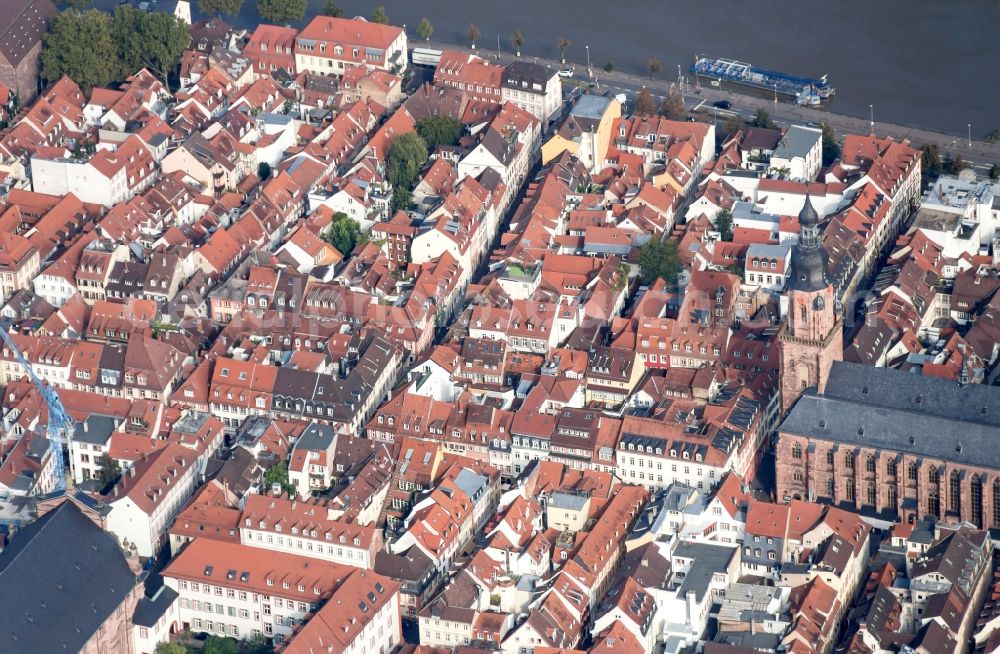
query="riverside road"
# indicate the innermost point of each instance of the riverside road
(935, 65)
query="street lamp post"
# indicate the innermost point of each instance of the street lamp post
(871, 113)
(970, 135)
(590, 71)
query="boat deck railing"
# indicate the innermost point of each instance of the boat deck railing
(728, 69)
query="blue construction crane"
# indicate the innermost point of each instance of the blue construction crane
(60, 425)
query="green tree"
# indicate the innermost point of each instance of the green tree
(332, 9)
(153, 40)
(256, 645)
(609, 67)
(402, 199)
(344, 233)
(108, 472)
(74, 4)
(439, 130)
(563, 44)
(473, 34)
(655, 66)
(219, 7)
(644, 104)
(379, 15)
(762, 119)
(278, 473)
(517, 40)
(263, 170)
(993, 136)
(995, 172)
(672, 106)
(171, 648)
(81, 45)
(931, 166)
(831, 148)
(406, 155)
(724, 224)
(425, 29)
(220, 645)
(732, 125)
(952, 165)
(659, 260)
(281, 12)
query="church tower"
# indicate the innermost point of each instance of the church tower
(811, 340)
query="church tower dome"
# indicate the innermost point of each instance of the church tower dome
(809, 259)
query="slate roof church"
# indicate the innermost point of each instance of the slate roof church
(891, 442)
(88, 589)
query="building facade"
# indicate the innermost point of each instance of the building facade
(900, 445)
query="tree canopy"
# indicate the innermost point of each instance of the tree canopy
(219, 7)
(655, 66)
(171, 648)
(931, 166)
(344, 234)
(659, 260)
(220, 645)
(762, 119)
(278, 473)
(425, 29)
(379, 16)
(831, 149)
(439, 130)
(995, 172)
(332, 9)
(724, 224)
(95, 48)
(731, 125)
(517, 40)
(81, 45)
(563, 43)
(153, 40)
(953, 165)
(473, 34)
(672, 106)
(109, 472)
(281, 11)
(644, 103)
(406, 156)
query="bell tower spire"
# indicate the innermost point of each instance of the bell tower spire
(811, 340)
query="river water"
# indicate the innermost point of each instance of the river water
(927, 63)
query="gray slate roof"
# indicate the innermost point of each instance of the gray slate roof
(851, 423)
(708, 560)
(95, 429)
(62, 577)
(797, 142)
(895, 389)
(890, 409)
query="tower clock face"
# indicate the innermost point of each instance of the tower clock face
(818, 304)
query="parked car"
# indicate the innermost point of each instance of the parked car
(722, 104)
(565, 72)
